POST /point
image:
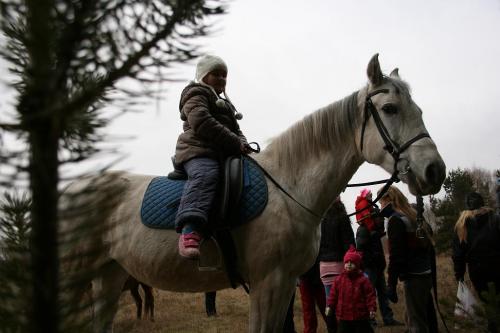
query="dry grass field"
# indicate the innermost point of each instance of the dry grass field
(182, 312)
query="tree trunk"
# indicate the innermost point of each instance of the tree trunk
(44, 243)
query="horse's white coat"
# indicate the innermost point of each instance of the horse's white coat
(314, 160)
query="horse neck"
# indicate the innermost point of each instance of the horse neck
(316, 157)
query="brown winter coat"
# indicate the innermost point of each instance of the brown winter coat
(209, 130)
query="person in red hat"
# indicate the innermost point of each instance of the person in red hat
(369, 242)
(352, 297)
(365, 209)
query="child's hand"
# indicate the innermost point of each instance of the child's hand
(372, 314)
(245, 148)
(328, 311)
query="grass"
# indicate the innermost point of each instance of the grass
(182, 312)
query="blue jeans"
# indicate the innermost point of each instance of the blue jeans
(377, 278)
(199, 191)
(327, 290)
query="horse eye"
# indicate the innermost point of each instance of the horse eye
(390, 109)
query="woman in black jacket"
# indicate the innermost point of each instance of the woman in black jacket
(476, 244)
(411, 260)
(336, 238)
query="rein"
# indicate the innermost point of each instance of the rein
(391, 147)
(275, 182)
(421, 232)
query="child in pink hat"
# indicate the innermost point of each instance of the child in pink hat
(352, 297)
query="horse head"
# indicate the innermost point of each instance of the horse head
(393, 134)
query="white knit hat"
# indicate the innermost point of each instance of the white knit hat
(208, 63)
(205, 65)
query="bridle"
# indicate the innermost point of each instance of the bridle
(391, 146)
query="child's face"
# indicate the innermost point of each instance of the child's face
(216, 79)
(349, 266)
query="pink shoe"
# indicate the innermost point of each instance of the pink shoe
(189, 245)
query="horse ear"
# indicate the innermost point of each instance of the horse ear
(395, 73)
(374, 72)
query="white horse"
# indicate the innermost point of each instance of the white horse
(314, 160)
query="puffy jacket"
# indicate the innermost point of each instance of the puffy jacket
(352, 296)
(209, 130)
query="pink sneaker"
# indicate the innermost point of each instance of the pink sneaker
(189, 245)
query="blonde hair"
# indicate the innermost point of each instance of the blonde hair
(399, 203)
(467, 214)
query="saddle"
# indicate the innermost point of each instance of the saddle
(230, 191)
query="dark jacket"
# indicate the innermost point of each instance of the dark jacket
(408, 254)
(370, 245)
(481, 250)
(336, 237)
(209, 130)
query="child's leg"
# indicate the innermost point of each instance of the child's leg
(345, 326)
(197, 199)
(362, 326)
(199, 192)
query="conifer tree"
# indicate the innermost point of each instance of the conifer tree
(67, 60)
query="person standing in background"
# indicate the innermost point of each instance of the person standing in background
(336, 238)
(476, 247)
(369, 244)
(352, 297)
(312, 293)
(411, 260)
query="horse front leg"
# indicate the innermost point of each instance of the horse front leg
(269, 301)
(106, 290)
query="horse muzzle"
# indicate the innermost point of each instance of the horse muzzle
(429, 180)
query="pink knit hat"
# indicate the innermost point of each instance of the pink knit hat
(365, 192)
(353, 256)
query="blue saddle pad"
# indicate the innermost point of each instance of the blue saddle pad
(162, 197)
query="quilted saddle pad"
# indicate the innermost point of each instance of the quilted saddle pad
(162, 197)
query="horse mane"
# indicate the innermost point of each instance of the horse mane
(317, 132)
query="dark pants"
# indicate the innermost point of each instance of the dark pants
(377, 279)
(420, 312)
(481, 280)
(210, 303)
(312, 293)
(289, 326)
(199, 191)
(354, 326)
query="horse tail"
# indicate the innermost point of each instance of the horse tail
(85, 207)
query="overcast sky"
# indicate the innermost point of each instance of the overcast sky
(288, 58)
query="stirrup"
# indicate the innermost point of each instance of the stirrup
(205, 261)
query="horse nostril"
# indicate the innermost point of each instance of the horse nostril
(435, 173)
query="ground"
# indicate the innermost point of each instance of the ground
(182, 312)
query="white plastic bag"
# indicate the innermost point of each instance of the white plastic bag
(466, 301)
